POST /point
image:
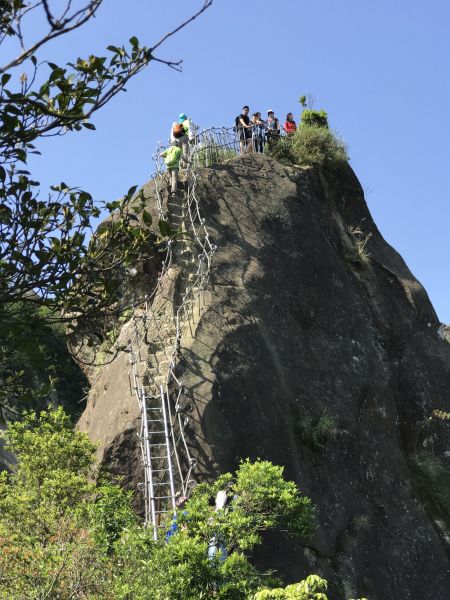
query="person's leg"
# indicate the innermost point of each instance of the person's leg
(242, 141)
(174, 179)
(185, 147)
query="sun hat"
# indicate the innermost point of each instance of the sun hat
(270, 111)
(182, 118)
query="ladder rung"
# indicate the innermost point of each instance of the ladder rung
(161, 497)
(160, 444)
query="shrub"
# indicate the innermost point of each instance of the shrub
(316, 118)
(316, 433)
(281, 150)
(359, 240)
(311, 588)
(432, 480)
(310, 145)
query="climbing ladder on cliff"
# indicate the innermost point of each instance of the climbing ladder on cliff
(167, 462)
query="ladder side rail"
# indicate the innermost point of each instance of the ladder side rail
(166, 435)
(151, 507)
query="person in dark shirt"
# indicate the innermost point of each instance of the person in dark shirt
(258, 133)
(273, 128)
(245, 131)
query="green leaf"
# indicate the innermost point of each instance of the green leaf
(5, 78)
(164, 228)
(134, 41)
(88, 125)
(147, 218)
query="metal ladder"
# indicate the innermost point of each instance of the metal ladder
(156, 448)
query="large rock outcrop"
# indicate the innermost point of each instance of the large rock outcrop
(319, 350)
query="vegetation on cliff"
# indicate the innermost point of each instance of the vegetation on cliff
(63, 537)
(313, 143)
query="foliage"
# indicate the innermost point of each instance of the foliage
(181, 569)
(311, 588)
(316, 433)
(35, 363)
(360, 240)
(55, 526)
(47, 258)
(310, 145)
(64, 537)
(316, 118)
(432, 480)
(313, 145)
(307, 101)
(441, 414)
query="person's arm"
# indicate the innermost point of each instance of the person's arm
(243, 124)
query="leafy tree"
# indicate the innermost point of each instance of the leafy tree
(64, 537)
(47, 255)
(311, 588)
(181, 569)
(55, 526)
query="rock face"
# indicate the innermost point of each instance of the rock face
(318, 350)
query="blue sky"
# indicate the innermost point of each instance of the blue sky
(380, 69)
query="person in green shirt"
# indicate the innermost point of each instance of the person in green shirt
(172, 156)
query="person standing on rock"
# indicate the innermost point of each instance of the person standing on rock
(258, 133)
(172, 157)
(245, 131)
(290, 126)
(273, 127)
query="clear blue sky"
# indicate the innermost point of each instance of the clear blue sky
(380, 68)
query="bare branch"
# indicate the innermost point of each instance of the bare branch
(206, 5)
(54, 33)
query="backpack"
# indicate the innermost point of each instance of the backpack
(178, 130)
(237, 124)
(172, 156)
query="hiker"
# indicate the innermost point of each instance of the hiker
(179, 503)
(216, 545)
(273, 127)
(258, 133)
(172, 157)
(244, 129)
(179, 134)
(290, 125)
